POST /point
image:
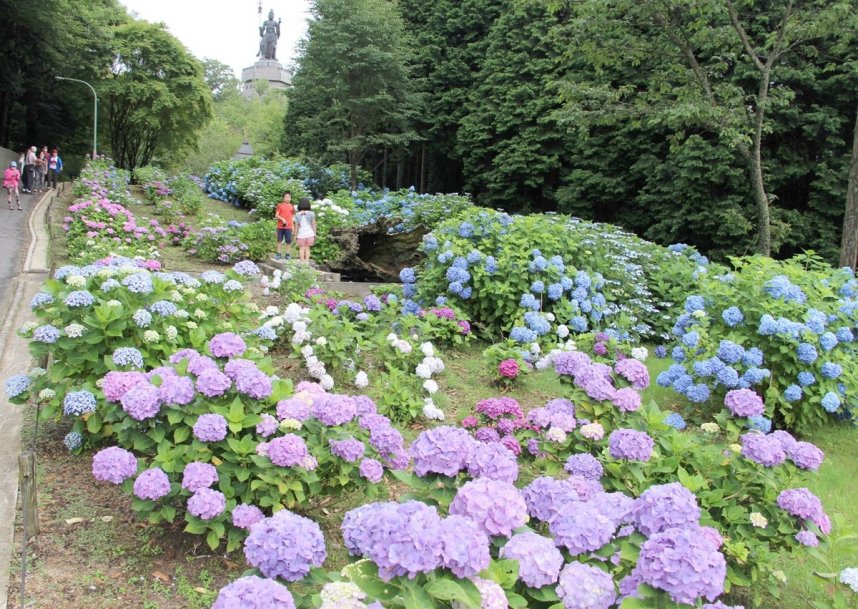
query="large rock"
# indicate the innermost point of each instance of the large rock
(371, 254)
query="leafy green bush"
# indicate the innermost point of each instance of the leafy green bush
(783, 327)
(232, 241)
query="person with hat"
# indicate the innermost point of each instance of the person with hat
(11, 177)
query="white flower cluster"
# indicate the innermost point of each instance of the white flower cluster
(640, 353)
(298, 319)
(547, 360)
(74, 330)
(76, 281)
(342, 595)
(430, 365)
(324, 205)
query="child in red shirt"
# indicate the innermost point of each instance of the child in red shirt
(11, 177)
(284, 213)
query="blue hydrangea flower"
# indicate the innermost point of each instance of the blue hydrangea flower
(41, 299)
(466, 292)
(830, 370)
(567, 283)
(768, 326)
(537, 323)
(79, 298)
(755, 376)
(752, 357)
(793, 393)
(661, 352)
(729, 352)
(77, 403)
(164, 308)
(806, 379)
(528, 301)
(698, 393)
(844, 335)
(128, 356)
(265, 333)
(213, 277)
(555, 291)
(142, 318)
(678, 354)
(583, 280)
(702, 368)
(806, 353)
(691, 339)
(557, 262)
(441, 301)
(73, 440)
(539, 264)
(409, 306)
(109, 285)
(139, 283)
(816, 321)
(490, 265)
(474, 256)
(578, 323)
(430, 243)
(830, 401)
(727, 377)
(760, 423)
(407, 275)
(46, 334)
(409, 289)
(675, 420)
(232, 286)
(445, 256)
(453, 288)
(732, 316)
(537, 287)
(522, 335)
(682, 383)
(694, 303)
(460, 263)
(828, 341)
(64, 271)
(17, 384)
(466, 230)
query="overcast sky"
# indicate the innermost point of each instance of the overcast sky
(226, 30)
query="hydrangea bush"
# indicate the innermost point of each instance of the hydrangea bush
(783, 329)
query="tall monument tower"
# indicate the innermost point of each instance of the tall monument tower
(267, 67)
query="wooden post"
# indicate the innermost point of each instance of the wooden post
(29, 505)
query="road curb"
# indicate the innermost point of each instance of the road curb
(36, 260)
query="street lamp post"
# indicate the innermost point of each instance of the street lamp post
(94, 113)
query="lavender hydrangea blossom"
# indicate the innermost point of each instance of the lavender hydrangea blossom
(142, 401)
(744, 403)
(334, 409)
(464, 546)
(288, 450)
(245, 515)
(581, 527)
(207, 504)
(584, 465)
(497, 507)
(198, 475)
(210, 428)
(493, 461)
(584, 587)
(285, 545)
(630, 444)
(665, 506)
(762, 449)
(77, 403)
(113, 464)
(372, 470)
(805, 455)
(128, 356)
(152, 484)
(253, 592)
(539, 560)
(546, 497)
(444, 450)
(802, 503)
(227, 344)
(213, 383)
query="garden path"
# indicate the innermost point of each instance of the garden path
(22, 236)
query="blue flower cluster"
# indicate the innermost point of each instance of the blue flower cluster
(40, 299)
(139, 283)
(164, 308)
(77, 403)
(79, 298)
(17, 384)
(782, 288)
(128, 356)
(142, 318)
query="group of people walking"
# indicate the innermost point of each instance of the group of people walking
(289, 217)
(35, 171)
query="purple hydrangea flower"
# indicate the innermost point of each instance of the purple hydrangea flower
(487, 435)
(153, 484)
(627, 399)
(584, 465)
(539, 417)
(349, 449)
(806, 538)
(254, 383)
(293, 408)
(210, 428)
(444, 450)
(285, 545)
(252, 592)
(493, 461)
(762, 449)
(634, 371)
(116, 384)
(492, 595)
(288, 451)
(804, 504)
(546, 497)
(464, 546)
(176, 390)
(539, 560)
(207, 503)
(744, 403)
(684, 564)
(511, 444)
(372, 470)
(805, 455)
(665, 506)
(245, 515)
(200, 363)
(213, 383)
(581, 527)
(227, 344)
(364, 405)
(142, 401)
(113, 464)
(560, 406)
(617, 507)
(334, 409)
(267, 426)
(630, 444)
(495, 408)
(497, 507)
(785, 439)
(584, 587)
(198, 475)
(401, 539)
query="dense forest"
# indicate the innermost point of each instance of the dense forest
(727, 125)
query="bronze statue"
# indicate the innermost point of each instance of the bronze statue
(270, 32)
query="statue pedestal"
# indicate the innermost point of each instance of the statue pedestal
(265, 69)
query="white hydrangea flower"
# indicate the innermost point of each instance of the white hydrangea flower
(299, 326)
(307, 350)
(37, 371)
(275, 284)
(758, 520)
(427, 349)
(264, 281)
(423, 371)
(361, 379)
(270, 311)
(342, 595)
(299, 338)
(290, 425)
(47, 394)
(274, 322)
(201, 297)
(404, 346)
(562, 331)
(151, 336)
(550, 316)
(266, 291)
(182, 314)
(640, 353)
(699, 314)
(28, 327)
(431, 411)
(192, 325)
(435, 364)
(176, 296)
(200, 314)
(293, 312)
(327, 382)
(430, 386)
(277, 272)
(74, 330)
(114, 303)
(321, 341)
(543, 363)
(392, 338)
(76, 281)
(535, 349)
(710, 427)
(171, 333)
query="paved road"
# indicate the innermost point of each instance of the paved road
(14, 239)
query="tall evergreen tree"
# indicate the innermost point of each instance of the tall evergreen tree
(352, 93)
